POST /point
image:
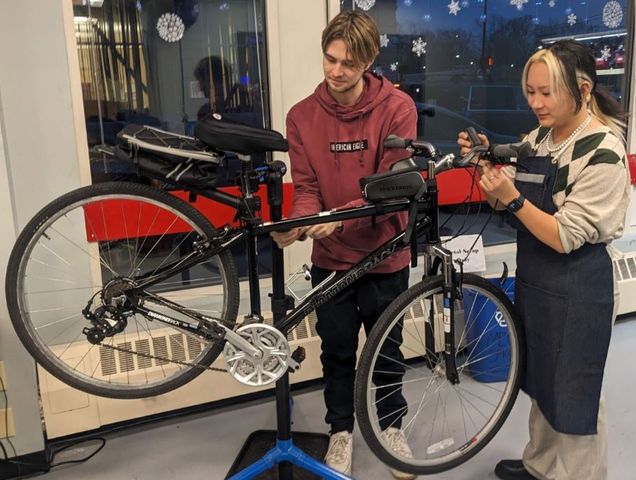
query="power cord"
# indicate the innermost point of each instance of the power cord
(55, 453)
(6, 430)
(50, 458)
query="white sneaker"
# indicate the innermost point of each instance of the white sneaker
(340, 452)
(397, 442)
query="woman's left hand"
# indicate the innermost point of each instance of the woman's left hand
(498, 185)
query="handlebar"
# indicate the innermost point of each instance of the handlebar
(419, 148)
(499, 154)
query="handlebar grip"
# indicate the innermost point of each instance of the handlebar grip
(393, 141)
(518, 150)
(472, 135)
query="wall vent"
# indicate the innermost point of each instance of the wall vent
(168, 345)
(625, 268)
(625, 274)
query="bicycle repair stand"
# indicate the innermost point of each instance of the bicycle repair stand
(284, 454)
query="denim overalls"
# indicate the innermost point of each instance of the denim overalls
(565, 302)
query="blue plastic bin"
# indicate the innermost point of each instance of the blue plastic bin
(491, 352)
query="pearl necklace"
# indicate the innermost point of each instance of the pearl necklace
(555, 148)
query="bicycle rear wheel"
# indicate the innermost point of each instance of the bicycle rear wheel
(78, 251)
(444, 424)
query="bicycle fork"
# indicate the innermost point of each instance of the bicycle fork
(441, 338)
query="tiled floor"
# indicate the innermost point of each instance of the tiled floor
(203, 446)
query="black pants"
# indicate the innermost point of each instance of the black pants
(339, 322)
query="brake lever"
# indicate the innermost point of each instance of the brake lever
(466, 161)
(473, 137)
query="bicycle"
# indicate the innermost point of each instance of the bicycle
(122, 303)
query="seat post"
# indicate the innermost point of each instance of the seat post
(250, 206)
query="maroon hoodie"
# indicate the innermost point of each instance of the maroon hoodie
(331, 147)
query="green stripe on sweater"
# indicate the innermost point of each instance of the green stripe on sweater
(587, 144)
(543, 131)
(604, 155)
(561, 180)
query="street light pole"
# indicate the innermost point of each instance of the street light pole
(482, 58)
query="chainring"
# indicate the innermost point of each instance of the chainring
(273, 361)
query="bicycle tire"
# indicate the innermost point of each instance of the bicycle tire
(492, 381)
(82, 244)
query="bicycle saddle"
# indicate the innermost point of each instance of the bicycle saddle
(221, 133)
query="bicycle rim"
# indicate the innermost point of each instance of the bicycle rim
(444, 424)
(84, 245)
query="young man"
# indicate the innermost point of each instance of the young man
(336, 137)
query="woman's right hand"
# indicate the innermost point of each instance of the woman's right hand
(465, 144)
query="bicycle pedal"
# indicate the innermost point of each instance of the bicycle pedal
(252, 318)
(298, 356)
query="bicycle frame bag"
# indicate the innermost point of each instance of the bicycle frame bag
(221, 133)
(169, 157)
(391, 185)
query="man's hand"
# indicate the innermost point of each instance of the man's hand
(285, 239)
(322, 230)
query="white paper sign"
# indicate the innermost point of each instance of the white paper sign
(474, 260)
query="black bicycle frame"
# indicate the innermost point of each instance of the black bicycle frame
(231, 236)
(252, 227)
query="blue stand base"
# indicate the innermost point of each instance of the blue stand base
(264, 462)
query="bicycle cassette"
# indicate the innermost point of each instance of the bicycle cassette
(269, 366)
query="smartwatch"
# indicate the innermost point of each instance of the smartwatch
(516, 204)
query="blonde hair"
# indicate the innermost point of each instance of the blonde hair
(360, 34)
(570, 64)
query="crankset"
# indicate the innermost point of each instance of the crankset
(264, 363)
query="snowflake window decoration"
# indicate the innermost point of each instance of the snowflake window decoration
(612, 14)
(571, 19)
(453, 8)
(365, 4)
(394, 66)
(552, 3)
(518, 3)
(170, 27)
(378, 70)
(606, 53)
(408, 3)
(419, 47)
(384, 40)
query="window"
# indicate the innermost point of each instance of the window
(168, 63)
(461, 61)
(468, 56)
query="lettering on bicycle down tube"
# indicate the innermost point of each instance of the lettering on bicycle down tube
(350, 277)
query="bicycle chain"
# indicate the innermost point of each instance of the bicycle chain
(178, 362)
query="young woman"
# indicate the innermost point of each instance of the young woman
(567, 202)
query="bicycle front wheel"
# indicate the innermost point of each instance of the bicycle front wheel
(401, 380)
(80, 253)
